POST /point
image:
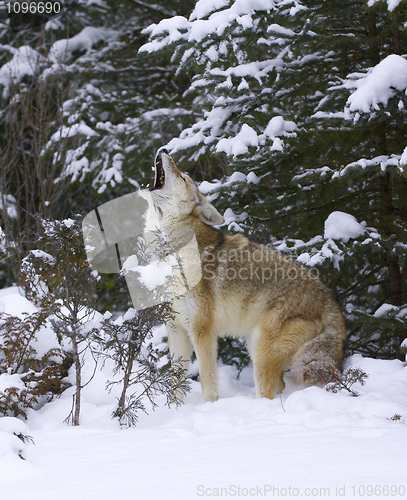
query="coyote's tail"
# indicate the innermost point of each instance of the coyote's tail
(320, 359)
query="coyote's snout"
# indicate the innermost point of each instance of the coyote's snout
(288, 316)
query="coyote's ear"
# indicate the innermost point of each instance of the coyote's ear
(208, 214)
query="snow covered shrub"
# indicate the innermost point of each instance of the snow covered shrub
(58, 278)
(127, 341)
(29, 377)
(346, 380)
(13, 437)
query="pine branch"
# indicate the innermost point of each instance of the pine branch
(154, 7)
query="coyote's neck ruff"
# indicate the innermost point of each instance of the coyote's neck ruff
(247, 290)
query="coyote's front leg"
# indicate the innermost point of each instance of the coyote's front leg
(206, 347)
(180, 349)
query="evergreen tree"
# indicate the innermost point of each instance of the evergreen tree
(82, 113)
(276, 81)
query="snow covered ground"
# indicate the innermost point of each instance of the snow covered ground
(308, 443)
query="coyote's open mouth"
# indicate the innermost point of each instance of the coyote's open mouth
(159, 172)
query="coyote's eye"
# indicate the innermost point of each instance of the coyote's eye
(183, 178)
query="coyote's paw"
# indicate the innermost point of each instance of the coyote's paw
(211, 398)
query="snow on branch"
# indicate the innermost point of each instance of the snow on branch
(383, 161)
(209, 131)
(343, 226)
(62, 50)
(379, 85)
(391, 4)
(207, 19)
(239, 143)
(25, 62)
(255, 69)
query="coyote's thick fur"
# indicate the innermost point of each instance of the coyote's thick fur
(287, 315)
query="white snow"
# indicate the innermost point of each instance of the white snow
(278, 126)
(75, 129)
(329, 250)
(12, 448)
(25, 61)
(276, 28)
(376, 87)
(232, 219)
(7, 381)
(154, 274)
(197, 28)
(8, 202)
(206, 187)
(303, 441)
(391, 4)
(308, 438)
(68, 223)
(62, 50)
(204, 8)
(252, 177)
(49, 259)
(209, 188)
(15, 303)
(383, 309)
(238, 144)
(384, 161)
(257, 69)
(343, 226)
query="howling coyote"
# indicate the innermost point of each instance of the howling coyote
(287, 315)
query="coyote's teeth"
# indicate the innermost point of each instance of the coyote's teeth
(159, 179)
